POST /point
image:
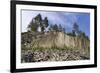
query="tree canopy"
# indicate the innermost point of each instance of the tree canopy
(75, 28)
(37, 22)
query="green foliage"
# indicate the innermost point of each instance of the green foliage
(38, 18)
(46, 22)
(83, 35)
(76, 28)
(73, 33)
(33, 27)
(70, 34)
(38, 22)
(77, 32)
(60, 27)
(56, 28)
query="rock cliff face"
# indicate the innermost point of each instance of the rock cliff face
(54, 39)
(53, 46)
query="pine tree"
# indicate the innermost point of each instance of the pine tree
(44, 24)
(60, 27)
(76, 28)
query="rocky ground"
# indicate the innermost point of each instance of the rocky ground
(39, 55)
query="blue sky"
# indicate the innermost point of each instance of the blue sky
(66, 19)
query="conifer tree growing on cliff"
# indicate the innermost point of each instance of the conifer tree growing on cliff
(35, 23)
(75, 29)
(44, 24)
(38, 23)
(78, 32)
(54, 27)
